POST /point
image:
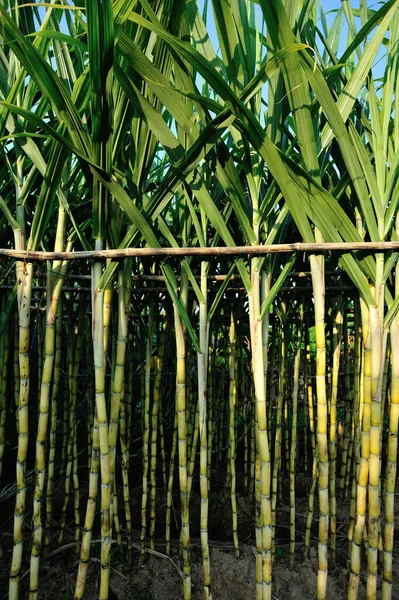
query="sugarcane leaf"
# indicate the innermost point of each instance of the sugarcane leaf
(220, 292)
(271, 295)
(391, 313)
(179, 305)
(48, 192)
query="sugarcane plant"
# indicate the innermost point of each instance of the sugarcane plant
(166, 124)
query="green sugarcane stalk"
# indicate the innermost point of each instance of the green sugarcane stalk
(169, 495)
(16, 370)
(117, 390)
(193, 447)
(90, 397)
(90, 512)
(161, 342)
(74, 355)
(280, 400)
(146, 431)
(125, 469)
(59, 327)
(162, 443)
(4, 357)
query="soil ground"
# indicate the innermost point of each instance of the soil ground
(159, 578)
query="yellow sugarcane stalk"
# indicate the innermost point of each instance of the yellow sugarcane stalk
(182, 451)
(363, 468)
(202, 366)
(356, 435)
(317, 270)
(337, 334)
(99, 382)
(24, 272)
(391, 468)
(261, 429)
(293, 449)
(232, 436)
(346, 451)
(44, 406)
(315, 450)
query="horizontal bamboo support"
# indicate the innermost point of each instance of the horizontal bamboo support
(312, 248)
(235, 290)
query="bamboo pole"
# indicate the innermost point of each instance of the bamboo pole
(118, 253)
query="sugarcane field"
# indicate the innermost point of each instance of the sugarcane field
(199, 299)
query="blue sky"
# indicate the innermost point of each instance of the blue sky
(329, 7)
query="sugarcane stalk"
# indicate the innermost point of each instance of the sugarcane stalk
(293, 448)
(182, 450)
(4, 352)
(356, 433)
(309, 400)
(59, 326)
(210, 405)
(337, 335)
(146, 432)
(54, 291)
(117, 389)
(378, 345)
(90, 512)
(258, 370)
(90, 397)
(162, 443)
(280, 400)
(169, 495)
(24, 273)
(101, 408)
(363, 468)
(16, 370)
(232, 436)
(74, 350)
(392, 448)
(154, 426)
(348, 409)
(318, 284)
